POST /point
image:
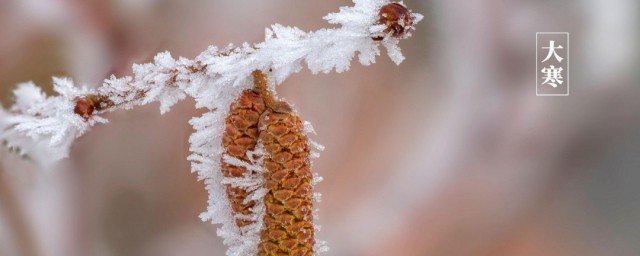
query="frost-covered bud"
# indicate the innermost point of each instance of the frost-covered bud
(397, 18)
(87, 105)
(84, 108)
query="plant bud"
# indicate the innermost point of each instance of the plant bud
(398, 19)
(84, 108)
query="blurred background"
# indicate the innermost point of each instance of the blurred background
(450, 153)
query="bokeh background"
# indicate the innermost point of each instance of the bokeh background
(450, 153)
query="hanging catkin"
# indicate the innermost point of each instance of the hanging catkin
(241, 135)
(257, 117)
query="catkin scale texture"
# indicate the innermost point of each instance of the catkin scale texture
(288, 222)
(241, 135)
(257, 117)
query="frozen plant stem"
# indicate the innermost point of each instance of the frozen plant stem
(251, 149)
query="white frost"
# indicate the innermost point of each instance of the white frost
(41, 127)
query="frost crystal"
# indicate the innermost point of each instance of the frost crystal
(44, 127)
(41, 127)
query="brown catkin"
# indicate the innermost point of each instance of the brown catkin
(288, 221)
(241, 135)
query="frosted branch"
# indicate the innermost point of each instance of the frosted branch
(37, 125)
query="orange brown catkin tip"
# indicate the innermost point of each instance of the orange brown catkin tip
(257, 117)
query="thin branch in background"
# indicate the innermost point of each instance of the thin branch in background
(17, 221)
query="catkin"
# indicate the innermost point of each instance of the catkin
(257, 117)
(241, 135)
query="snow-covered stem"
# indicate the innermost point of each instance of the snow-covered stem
(45, 127)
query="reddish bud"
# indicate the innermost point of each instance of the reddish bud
(84, 108)
(397, 18)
